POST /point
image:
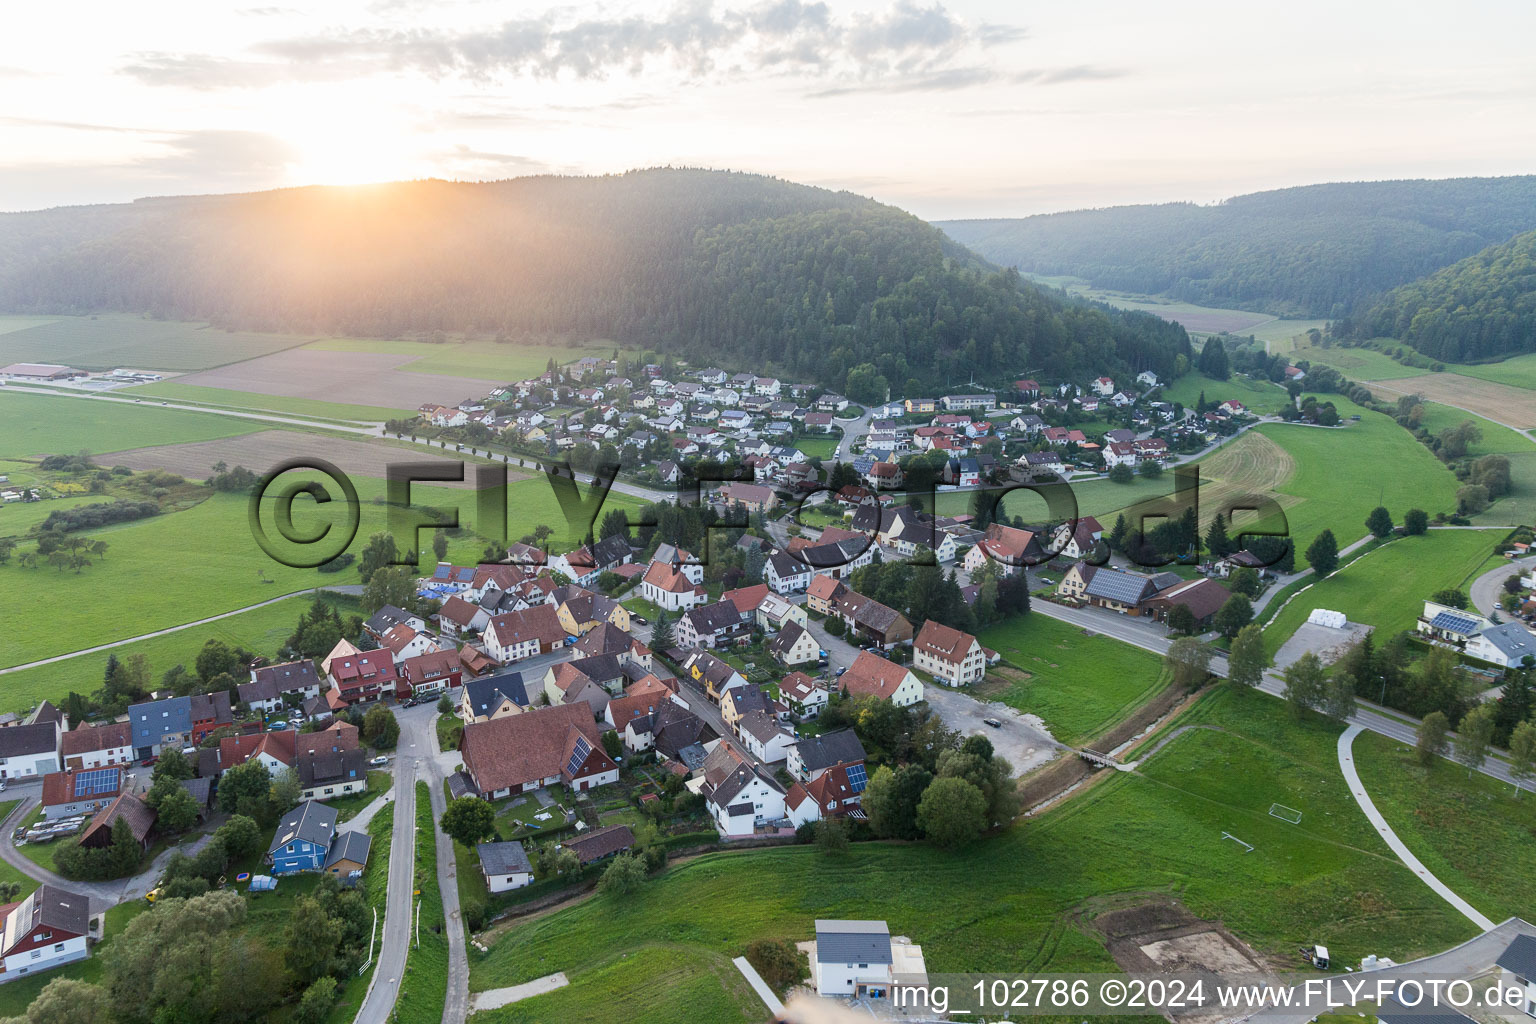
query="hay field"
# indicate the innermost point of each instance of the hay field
(108, 342)
(357, 378)
(1501, 402)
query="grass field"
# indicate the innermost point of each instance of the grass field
(1474, 834)
(225, 398)
(1077, 684)
(1356, 363)
(424, 986)
(1021, 901)
(816, 445)
(109, 342)
(46, 424)
(1387, 587)
(1502, 402)
(1259, 395)
(512, 360)
(184, 566)
(7, 872)
(262, 631)
(1516, 371)
(1496, 437)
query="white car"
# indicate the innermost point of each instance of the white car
(379, 761)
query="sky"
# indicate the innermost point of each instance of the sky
(954, 108)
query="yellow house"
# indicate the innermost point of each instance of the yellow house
(584, 612)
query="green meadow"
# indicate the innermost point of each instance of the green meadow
(34, 423)
(183, 566)
(1387, 587)
(1259, 395)
(254, 401)
(1078, 685)
(1023, 900)
(510, 360)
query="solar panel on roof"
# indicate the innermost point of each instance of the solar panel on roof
(578, 754)
(1121, 587)
(1453, 622)
(96, 782)
(857, 778)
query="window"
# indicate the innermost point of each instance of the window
(863, 967)
(36, 953)
(59, 948)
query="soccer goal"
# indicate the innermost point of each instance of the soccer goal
(1247, 847)
(1285, 813)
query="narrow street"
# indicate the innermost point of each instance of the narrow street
(384, 988)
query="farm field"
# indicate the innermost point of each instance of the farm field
(1078, 685)
(1259, 395)
(1518, 508)
(1197, 319)
(183, 566)
(355, 378)
(264, 449)
(507, 360)
(252, 401)
(46, 424)
(1022, 900)
(110, 341)
(1387, 587)
(1496, 437)
(1504, 403)
(1282, 336)
(1473, 833)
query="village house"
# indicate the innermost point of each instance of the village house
(794, 646)
(812, 756)
(47, 929)
(822, 593)
(711, 625)
(1010, 548)
(505, 866)
(429, 675)
(76, 791)
(97, 746)
(874, 676)
(948, 654)
(537, 748)
(517, 635)
(303, 839)
(273, 687)
(835, 793)
(740, 797)
(179, 721)
(492, 697)
(362, 677)
(1077, 539)
(805, 697)
(715, 675)
(326, 774)
(786, 574)
(763, 736)
(752, 497)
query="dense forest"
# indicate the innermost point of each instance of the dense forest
(1319, 250)
(1479, 308)
(734, 268)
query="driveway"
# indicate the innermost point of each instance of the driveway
(1022, 739)
(1488, 588)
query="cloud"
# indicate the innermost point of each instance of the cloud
(1077, 73)
(947, 80)
(695, 37)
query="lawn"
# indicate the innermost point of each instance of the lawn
(184, 566)
(1021, 901)
(822, 446)
(1473, 833)
(1516, 371)
(17, 995)
(227, 398)
(261, 630)
(1259, 395)
(1387, 587)
(1357, 363)
(109, 342)
(46, 423)
(1079, 685)
(511, 360)
(424, 986)
(348, 807)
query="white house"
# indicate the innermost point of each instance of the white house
(45, 930)
(1104, 387)
(1147, 378)
(668, 587)
(739, 796)
(1506, 645)
(853, 958)
(505, 866)
(764, 738)
(786, 574)
(948, 654)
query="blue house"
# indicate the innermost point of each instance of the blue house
(303, 839)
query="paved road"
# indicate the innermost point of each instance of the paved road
(419, 724)
(1142, 633)
(103, 895)
(1352, 777)
(1488, 588)
(384, 988)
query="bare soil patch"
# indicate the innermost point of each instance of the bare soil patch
(261, 451)
(1515, 407)
(354, 378)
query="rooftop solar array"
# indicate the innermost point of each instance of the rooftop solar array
(857, 778)
(1454, 623)
(1120, 587)
(96, 782)
(578, 754)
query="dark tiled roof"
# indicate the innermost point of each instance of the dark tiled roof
(503, 858)
(850, 942)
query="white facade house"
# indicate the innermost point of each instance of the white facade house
(948, 654)
(786, 574)
(505, 866)
(853, 958)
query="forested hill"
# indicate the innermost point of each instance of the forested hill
(723, 267)
(1481, 307)
(1317, 251)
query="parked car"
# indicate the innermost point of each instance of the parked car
(379, 761)
(994, 723)
(278, 726)
(148, 762)
(640, 619)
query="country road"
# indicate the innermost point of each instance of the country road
(384, 988)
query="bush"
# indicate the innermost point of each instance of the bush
(89, 517)
(778, 961)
